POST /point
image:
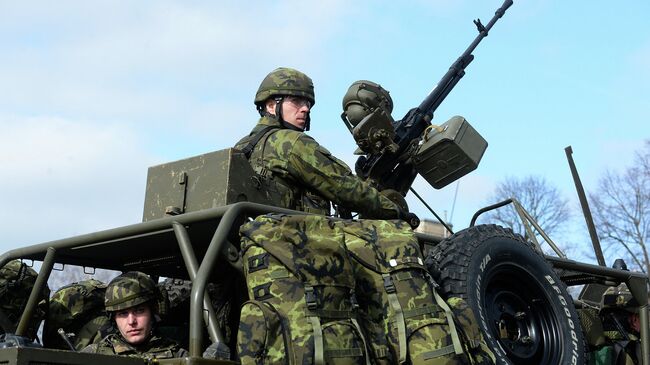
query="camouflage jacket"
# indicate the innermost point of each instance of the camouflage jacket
(310, 175)
(156, 347)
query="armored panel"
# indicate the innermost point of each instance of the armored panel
(40, 356)
(449, 152)
(210, 180)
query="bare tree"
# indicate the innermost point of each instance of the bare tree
(621, 210)
(543, 201)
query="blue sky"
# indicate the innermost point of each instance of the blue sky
(92, 93)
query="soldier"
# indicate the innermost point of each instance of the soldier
(620, 312)
(16, 283)
(132, 302)
(305, 175)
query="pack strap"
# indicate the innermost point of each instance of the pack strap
(416, 312)
(365, 353)
(439, 352)
(455, 337)
(256, 138)
(319, 347)
(400, 321)
(331, 313)
(353, 352)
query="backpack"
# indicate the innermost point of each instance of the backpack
(16, 283)
(301, 290)
(405, 320)
(78, 309)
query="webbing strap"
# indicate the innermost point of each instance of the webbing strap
(399, 316)
(331, 313)
(256, 138)
(319, 353)
(353, 352)
(381, 351)
(415, 312)
(437, 353)
(363, 339)
(455, 338)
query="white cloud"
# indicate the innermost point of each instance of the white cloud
(63, 177)
(163, 67)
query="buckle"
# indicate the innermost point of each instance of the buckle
(310, 298)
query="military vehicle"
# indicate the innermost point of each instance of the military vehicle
(194, 208)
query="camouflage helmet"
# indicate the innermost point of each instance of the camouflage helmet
(16, 283)
(619, 297)
(285, 81)
(130, 289)
(362, 98)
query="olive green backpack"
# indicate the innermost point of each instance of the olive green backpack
(78, 309)
(301, 290)
(16, 283)
(404, 319)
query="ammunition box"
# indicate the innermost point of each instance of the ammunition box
(210, 180)
(449, 152)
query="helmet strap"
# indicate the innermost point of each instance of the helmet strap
(278, 116)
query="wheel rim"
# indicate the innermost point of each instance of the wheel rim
(521, 316)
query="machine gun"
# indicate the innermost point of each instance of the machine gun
(395, 152)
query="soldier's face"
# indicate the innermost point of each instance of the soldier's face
(295, 110)
(135, 323)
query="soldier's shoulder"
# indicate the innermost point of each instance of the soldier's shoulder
(164, 347)
(103, 346)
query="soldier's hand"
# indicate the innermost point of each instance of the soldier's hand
(409, 218)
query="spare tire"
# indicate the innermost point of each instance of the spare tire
(523, 309)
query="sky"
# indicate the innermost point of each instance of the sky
(93, 93)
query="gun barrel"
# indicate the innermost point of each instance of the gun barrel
(457, 69)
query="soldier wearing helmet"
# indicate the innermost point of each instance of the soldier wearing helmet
(132, 301)
(304, 174)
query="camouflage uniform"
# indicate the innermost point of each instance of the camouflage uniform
(156, 347)
(304, 174)
(16, 283)
(308, 176)
(126, 291)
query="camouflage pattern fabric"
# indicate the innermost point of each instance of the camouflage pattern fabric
(308, 176)
(155, 348)
(285, 81)
(176, 321)
(406, 321)
(300, 282)
(476, 347)
(78, 308)
(16, 283)
(130, 289)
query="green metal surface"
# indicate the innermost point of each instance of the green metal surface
(201, 182)
(41, 282)
(192, 267)
(449, 152)
(33, 356)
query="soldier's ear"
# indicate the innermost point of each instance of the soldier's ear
(270, 105)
